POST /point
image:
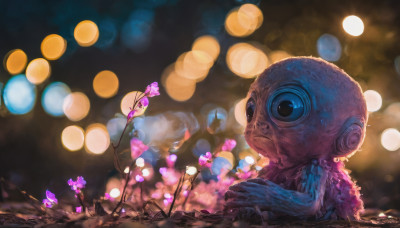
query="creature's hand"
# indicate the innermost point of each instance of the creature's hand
(252, 193)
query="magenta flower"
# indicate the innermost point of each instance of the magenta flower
(205, 160)
(139, 178)
(171, 159)
(229, 144)
(144, 102)
(163, 171)
(78, 209)
(51, 199)
(168, 199)
(137, 148)
(130, 115)
(77, 185)
(152, 90)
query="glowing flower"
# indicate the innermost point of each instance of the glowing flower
(163, 171)
(51, 199)
(229, 144)
(152, 90)
(171, 159)
(77, 185)
(78, 209)
(168, 199)
(139, 178)
(137, 148)
(205, 160)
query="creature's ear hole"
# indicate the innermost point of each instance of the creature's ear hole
(350, 137)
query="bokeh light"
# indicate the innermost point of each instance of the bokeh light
(245, 60)
(73, 137)
(191, 170)
(373, 99)
(15, 61)
(219, 165)
(105, 84)
(194, 65)
(240, 112)
(216, 120)
(353, 25)
(38, 70)
(76, 106)
(140, 162)
(19, 95)
(115, 126)
(228, 156)
(53, 46)
(115, 193)
(97, 139)
(207, 44)
(179, 88)
(249, 160)
(86, 33)
(243, 21)
(329, 47)
(390, 139)
(53, 98)
(127, 103)
(278, 55)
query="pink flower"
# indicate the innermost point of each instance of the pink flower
(51, 199)
(77, 185)
(144, 102)
(130, 115)
(205, 160)
(137, 148)
(139, 178)
(78, 209)
(171, 159)
(152, 90)
(229, 144)
(168, 199)
(163, 171)
(107, 196)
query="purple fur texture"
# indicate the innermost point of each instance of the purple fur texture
(303, 114)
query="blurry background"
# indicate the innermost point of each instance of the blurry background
(71, 67)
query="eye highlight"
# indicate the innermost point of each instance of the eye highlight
(250, 107)
(288, 105)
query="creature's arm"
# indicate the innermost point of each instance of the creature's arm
(269, 196)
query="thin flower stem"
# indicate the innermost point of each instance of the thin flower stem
(115, 148)
(176, 193)
(127, 179)
(80, 199)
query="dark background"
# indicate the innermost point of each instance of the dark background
(31, 153)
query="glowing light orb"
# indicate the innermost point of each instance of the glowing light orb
(127, 103)
(179, 88)
(353, 25)
(38, 70)
(216, 120)
(228, 156)
(86, 33)
(140, 162)
(249, 160)
(15, 61)
(105, 84)
(19, 95)
(194, 65)
(245, 60)
(76, 106)
(126, 170)
(145, 172)
(240, 112)
(220, 165)
(329, 47)
(243, 21)
(276, 56)
(53, 46)
(207, 44)
(115, 193)
(97, 139)
(53, 98)
(191, 170)
(390, 139)
(72, 138)
(115, 126)
(373, 99)
(202, 146)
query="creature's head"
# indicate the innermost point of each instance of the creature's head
(305, 108)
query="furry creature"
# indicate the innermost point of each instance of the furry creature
(303, 114)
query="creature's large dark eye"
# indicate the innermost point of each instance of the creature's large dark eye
(250, 107)
(287, 105)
